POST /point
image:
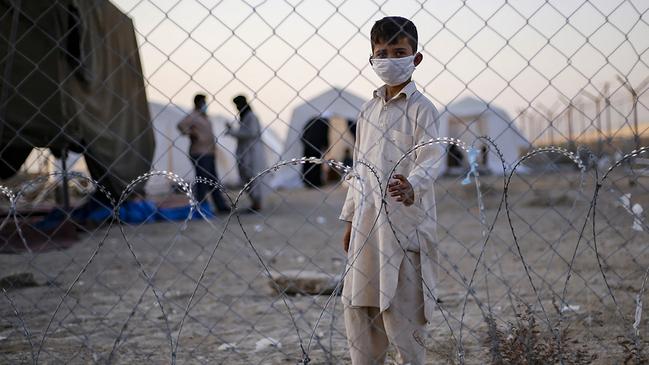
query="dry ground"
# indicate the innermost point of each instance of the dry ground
(235, 308)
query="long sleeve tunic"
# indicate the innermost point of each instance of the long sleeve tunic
(385, 131)
(250, 149)
(199, 129)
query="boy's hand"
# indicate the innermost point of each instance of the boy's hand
(347, 236)
(401, 189)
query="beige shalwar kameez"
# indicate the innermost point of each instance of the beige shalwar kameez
(375, 278)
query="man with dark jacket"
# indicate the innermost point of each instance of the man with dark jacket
(202, 151)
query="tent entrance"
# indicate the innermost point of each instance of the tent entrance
(455, 157)
(466, 129)
(329, 138)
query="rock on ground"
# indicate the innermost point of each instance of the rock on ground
(292, 282)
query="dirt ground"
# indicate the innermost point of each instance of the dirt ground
(235, 317)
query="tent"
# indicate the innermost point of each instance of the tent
(334, 103)
(72, 80)
(465, 119)
(171, 152)
(470, 118)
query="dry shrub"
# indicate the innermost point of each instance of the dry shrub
(633, 351)
(526, 343)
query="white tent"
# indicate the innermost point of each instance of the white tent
(334, 103)
(470, 118)
(171, 152)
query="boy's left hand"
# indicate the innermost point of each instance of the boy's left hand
(401, 189)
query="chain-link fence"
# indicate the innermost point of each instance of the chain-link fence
(140, 223)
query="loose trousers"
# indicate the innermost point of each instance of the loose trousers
(370, 331)
(206, 168)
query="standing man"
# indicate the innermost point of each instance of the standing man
(201, 151)
(250, 153)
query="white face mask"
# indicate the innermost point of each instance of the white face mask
(394, 71)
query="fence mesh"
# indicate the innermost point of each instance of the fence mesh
(114, 247)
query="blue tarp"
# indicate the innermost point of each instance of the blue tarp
(131, 212)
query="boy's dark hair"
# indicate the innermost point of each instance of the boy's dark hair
(391, 29)
(199, 100)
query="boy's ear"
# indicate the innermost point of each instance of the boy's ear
(418, 58)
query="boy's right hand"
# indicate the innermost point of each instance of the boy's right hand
(347, 236)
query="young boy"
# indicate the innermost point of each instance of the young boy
(388, 293)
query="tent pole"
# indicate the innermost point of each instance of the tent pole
(64, 191)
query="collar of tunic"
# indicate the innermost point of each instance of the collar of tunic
(406, 91)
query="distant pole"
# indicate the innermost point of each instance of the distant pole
(525, 127)
(569, 116)
(571, 133)
(581, 126)
(607, 105)
(634, 105)
(636, 130)
(598, 119)
(549, 117)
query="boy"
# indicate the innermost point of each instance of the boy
(388, 290)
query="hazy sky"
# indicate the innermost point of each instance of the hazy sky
(284, 52)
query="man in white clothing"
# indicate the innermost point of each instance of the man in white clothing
(251, 159)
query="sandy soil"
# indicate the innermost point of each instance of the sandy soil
(235, 308)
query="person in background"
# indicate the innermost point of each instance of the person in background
(250, 151)
(202, 151)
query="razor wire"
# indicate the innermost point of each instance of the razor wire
(306, 358)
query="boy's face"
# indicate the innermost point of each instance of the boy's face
(399, 49)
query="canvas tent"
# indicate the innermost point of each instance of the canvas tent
(465, 119)
(470, 118)
(334, 103)
(72, 79)
(171, 152)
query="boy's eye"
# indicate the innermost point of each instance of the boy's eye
(401, 53)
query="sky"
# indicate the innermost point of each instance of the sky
(521, 55)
